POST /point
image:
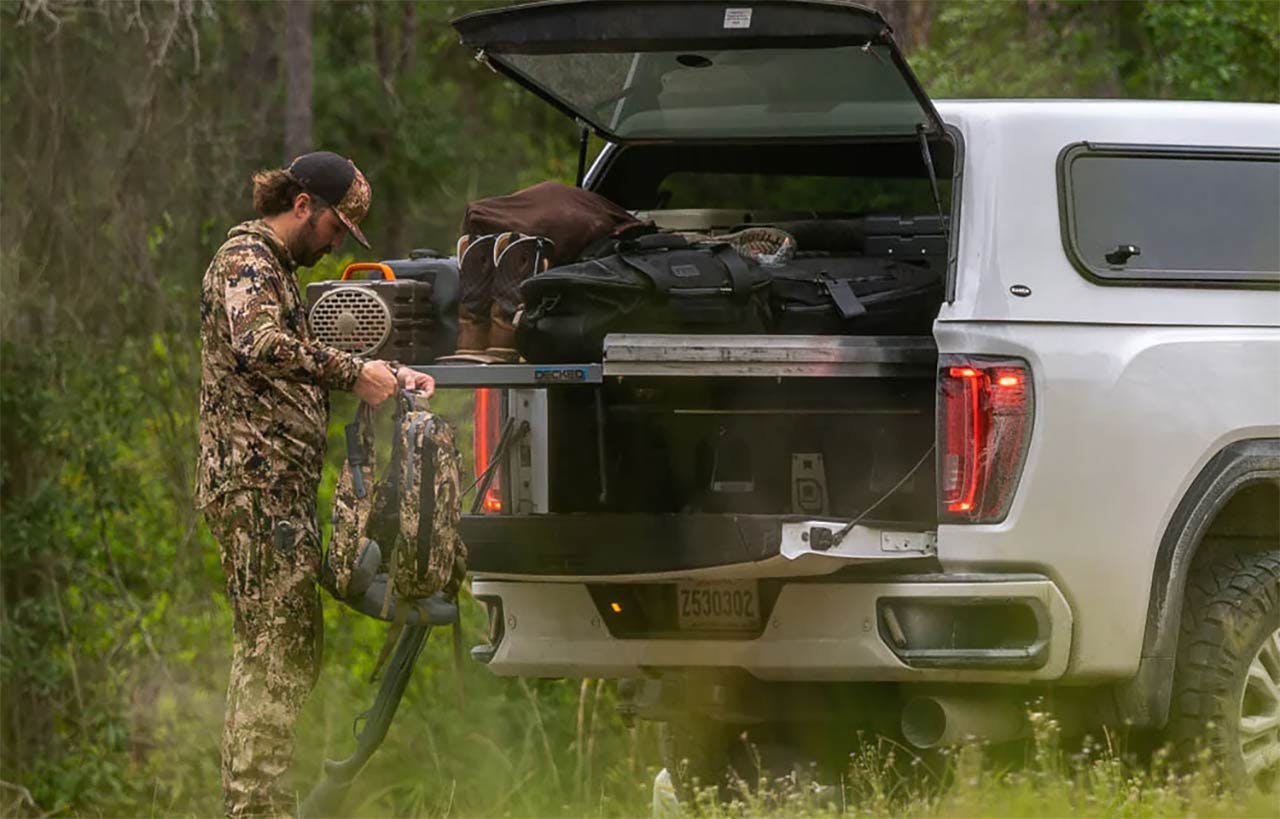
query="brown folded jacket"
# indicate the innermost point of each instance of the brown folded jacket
(570, 217)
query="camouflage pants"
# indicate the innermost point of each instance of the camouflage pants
(271, 583)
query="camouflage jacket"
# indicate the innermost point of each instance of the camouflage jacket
(264, 403)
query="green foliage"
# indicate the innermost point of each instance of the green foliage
(1221, 49)
(1215, 50)
(983, 49)
(106, 585)
(130, 131)
(435, 128)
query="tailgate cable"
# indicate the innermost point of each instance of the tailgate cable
(839, 535)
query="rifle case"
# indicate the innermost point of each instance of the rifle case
(821, 294)
(658, 284)
(569, 309)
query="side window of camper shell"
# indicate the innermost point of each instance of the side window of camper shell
(1166, 215)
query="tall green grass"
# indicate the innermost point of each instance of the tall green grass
(1093, 779)
(516, 748)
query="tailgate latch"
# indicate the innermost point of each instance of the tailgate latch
(820, 539)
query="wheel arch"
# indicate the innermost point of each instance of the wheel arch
(1230, 475)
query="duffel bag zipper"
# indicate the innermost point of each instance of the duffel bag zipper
(820, 279)
(701, 291)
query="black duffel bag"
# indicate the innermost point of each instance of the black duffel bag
(819, 294)
(655, 284)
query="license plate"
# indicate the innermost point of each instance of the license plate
(719, 606)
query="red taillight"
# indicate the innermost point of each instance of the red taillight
(985, 409)
(488, 426)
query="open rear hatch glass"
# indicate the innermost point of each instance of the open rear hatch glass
(693, 69)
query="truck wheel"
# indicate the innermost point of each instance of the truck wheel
(1226, 689)
(695, 753)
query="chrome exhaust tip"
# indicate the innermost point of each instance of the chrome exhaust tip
(938, 721)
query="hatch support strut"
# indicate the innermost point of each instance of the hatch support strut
(582, 153)
(928, 163)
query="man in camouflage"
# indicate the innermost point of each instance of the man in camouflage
(264, 412)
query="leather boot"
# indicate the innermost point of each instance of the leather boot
(502, 338)
(475, 264)
(473, 336)
(516, 258)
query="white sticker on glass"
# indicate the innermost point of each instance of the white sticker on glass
(737, 18)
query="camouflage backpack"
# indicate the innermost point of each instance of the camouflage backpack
(397, 539)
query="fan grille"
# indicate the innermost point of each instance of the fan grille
(353, 319)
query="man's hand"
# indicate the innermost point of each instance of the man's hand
(375, 384)
(411, 379)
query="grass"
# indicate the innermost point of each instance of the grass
(513, 748)
(1096, 779)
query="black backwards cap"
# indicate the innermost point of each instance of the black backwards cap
(337, 181)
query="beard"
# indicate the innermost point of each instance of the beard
(307, 249)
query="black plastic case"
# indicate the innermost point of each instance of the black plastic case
(411, 318)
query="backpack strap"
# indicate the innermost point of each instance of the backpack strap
(356, 454)
(841, 293)
(421, 540)
(737, 267)
(650, 242)
(394, 475)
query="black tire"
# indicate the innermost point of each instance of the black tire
(1230, 621)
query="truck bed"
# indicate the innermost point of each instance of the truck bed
(680, 454)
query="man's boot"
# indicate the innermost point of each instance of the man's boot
(516, 258)
(473, 335)
(502, 339)
(475, 264)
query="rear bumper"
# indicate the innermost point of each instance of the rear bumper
(816, 631)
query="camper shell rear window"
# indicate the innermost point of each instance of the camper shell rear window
(821, 179)
(742, 94)
(1145, 215)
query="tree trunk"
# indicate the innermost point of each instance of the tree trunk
(918, 20)
(409, 50)
(297, 78)
(394, 48)
(1040, 13)
(254, 83)
(909, 20)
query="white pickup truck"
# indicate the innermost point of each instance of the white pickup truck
(1068, 487)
